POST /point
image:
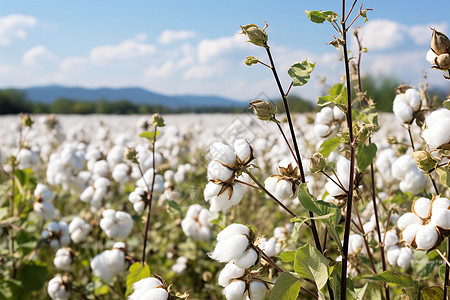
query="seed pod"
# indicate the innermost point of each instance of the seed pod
(255, 35)
(251, 60)
(440, 43)
(263, 110)
(443, 61)
(316, 163)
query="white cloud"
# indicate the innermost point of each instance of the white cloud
(421, 34)
(165, 70)
(169, 36)
(382, 34)
(13, 27)
(199, 72)
(37, 55)
(125, 52)
(208, 49)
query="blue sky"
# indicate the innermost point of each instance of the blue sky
(192, 47)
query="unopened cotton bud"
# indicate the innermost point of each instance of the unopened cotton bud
(316, 163)
(251, 60)
(443, 61)
(439, 42)
(263, 110)
(157, 120)
(255, 35)
(131, 155)
(427, 237)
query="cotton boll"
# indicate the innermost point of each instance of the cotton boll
(228, 273)
(402, 110)
(43, 193)
(222, 153)
(63, 259)
(56, 289)
(322, 130)
(44, 210)
(257, 290)
(148, 288)
(235, 290)
(383, 163)
(426, 237)
(355, 243)
(116, 224)
(405, 258)
(108, 264)
(219, 172)
(422, 207)
(243, 150)
(391, 239)
(238, 193)
(413, 98)
(121, 172)
(325, 116)
(27, 159)
(439, 204)
(338, 114)
(431, 56)
(408, 219)
(410, 233)
(229, 249)
(392, 255)
(441, 218)
(437, 133)
(247, 259)
(414, 182)
(233, 229)
(270, 247)
(79, 229)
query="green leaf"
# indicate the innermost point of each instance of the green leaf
(446, 104)
(409, 285)
(287, 256)
(173, 207)
(286, 287)
(315, 16)
(442, 271)
(101, 290)
(137, 272)
(330, 167)
(329, 145)
(33, 276)
(149, 135)
(300, 72)
(444, 175)
(310, 263)
(338, 96)
(365, 155)
(432, 293)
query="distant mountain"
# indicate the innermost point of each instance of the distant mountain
(48, 94)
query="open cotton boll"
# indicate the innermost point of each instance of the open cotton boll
(270, 247)
(228, 273)
(79, 229)
(222, 153)
(243, 150)
(148, 288)
(235, 290)
(108, 264)
(413, 182)
(410, 232)
(402, 110)
(219, 172)
(43, 193)
(324, 116)
(441, 218)
(257, 290)
(338, 114)
(355, 243)
(56, 289)
(413, 98)
(121, 172)
(422, 207)
(426, 237)
(392, 255)
(116, 224)
(408, 219)
(233, 229)
(391, 239)
(247, 259)
(63, 259)
(439, 204)
(405, 258)
(229, 249)
(437, 133)
(27, 159)
(385, 159)
(431, 56)
(44, 210)
(321, 130)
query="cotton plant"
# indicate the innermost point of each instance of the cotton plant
(95, 193)
(437, 135)
(57, 288)
(116, 224)
(396, 254)
(79, 229)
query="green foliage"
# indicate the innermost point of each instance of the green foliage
(149, 135)
(33, 276)
(286, 287)
(301, 72)
(137, 272)
(409, 285)
(13, 102)
(365, 155)
(444, 174)
(337, 95)
(321, 16)
(432, 293)
(381, 90)
(310, 263)
(329, 145)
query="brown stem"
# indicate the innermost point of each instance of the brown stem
(411, 138)
(352, 162)
(446, 270)
(150, 197)
(338, 184)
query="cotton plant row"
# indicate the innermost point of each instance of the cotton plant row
(139, 213)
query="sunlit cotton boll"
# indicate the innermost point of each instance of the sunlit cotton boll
(27, 159)
(158, 186)
(224, 201)
(121, 173)
(109, 263)
(63, 259)
(116, 224)
(235, 290)
(148, 288)
(44, 210)
(196, 223)
(257, 290)
(138, 198)
(343, 173)
(43, 193)
(437, 133)
(412, 179)
(57, 234)
(232, 242)
(223, 153)
(56, 289)
(228, 273)
(405, 105)
(270, 247)
(79, 230)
